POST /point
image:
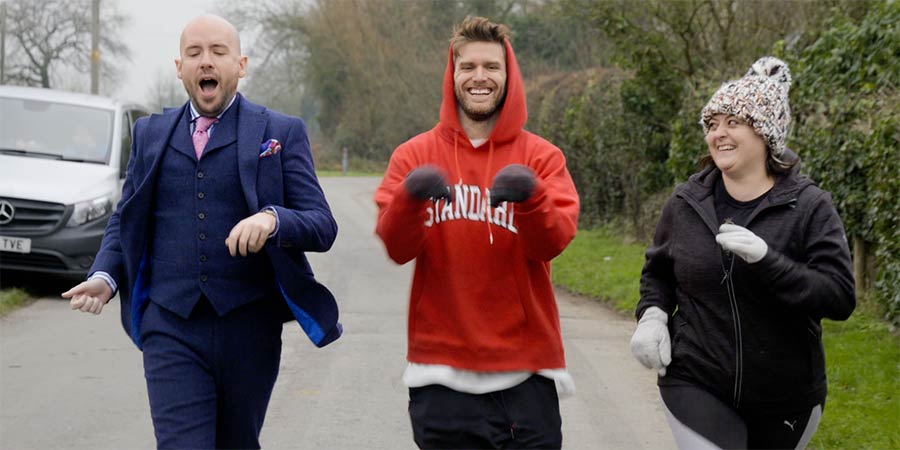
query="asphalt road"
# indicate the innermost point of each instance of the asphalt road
(75, 381)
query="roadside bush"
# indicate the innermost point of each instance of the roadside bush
(688, 144)
(848, 129)
(581, 113)
(612, 138)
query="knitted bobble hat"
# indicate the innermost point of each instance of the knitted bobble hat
(760, 98)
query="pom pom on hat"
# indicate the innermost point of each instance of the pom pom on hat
(773, 68)
(760, 98)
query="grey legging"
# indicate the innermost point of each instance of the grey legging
(699, 420)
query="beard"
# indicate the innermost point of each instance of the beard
(216, 106)
(476, 113)
(211, 111)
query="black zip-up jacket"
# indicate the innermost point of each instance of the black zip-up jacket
(750, 333)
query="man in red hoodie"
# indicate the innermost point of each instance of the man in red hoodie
(482, 206)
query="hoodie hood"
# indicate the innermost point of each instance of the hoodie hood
(513, 112)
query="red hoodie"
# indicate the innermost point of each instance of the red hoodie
(482, 297)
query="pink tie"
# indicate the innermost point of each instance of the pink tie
(201, 136)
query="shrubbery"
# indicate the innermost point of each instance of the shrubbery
(848, 129)
(581, 113)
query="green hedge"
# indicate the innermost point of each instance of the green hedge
(615, 149)
(847, 119)
(581, 113)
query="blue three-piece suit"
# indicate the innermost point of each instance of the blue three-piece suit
(209, 324)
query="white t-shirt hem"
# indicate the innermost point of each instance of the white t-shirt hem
(472, 382)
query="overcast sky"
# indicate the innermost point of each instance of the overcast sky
(152, 36)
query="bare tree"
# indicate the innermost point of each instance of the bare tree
(165, 92)
(52, 36)
(366, 73)
(277, 51)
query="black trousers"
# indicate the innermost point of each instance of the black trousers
(209, 378)
(524, 416)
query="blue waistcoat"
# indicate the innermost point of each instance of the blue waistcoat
(197, 203)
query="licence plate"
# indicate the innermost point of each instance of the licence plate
(14, 244)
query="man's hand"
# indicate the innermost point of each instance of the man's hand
(426, 182)
(650, 343)
(514, 183)
(742, 242)
(89, 296)
(250, 234)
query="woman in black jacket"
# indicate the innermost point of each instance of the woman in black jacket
(748, 257)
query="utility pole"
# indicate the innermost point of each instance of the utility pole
(2, 41)
(95, 47)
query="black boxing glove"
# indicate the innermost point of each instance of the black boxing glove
(425, 182)
(514, 183)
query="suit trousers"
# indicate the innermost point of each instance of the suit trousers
(209, 378)
(523, 416)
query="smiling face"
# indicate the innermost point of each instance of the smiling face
(479, 79)
(735, 147)
(211, 63)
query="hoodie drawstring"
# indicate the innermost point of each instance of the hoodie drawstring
(487, 171)
(456, 156)
(487, 189)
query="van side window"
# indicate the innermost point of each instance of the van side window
(128, 121)
(127, 124)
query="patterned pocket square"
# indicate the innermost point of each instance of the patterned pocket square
(269, 148)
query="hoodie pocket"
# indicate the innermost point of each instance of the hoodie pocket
(677, 328)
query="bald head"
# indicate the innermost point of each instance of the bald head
(211, 63)
(211, 22)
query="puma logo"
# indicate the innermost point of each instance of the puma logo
(790, 424)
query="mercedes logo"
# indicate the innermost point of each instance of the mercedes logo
(7, 211)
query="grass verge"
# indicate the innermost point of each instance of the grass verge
(12, 299)
(863, 366)
(600, 264)
(863, 357)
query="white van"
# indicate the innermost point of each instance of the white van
(63, 157)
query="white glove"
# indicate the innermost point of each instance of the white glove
(650, 343)
(742, 242)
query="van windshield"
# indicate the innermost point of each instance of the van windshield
(54, 130)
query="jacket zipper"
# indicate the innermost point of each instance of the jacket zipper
(732, 300)
(738, 339)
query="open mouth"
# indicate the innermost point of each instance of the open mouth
(480, 91)
(725, 148)
(208, 85)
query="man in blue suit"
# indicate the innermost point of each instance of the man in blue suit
(206, 249)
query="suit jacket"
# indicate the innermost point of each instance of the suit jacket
(285, 180)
